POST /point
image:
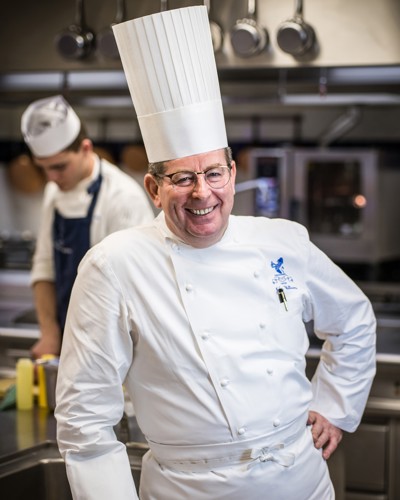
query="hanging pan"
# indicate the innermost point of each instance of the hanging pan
(78, 40)
(106, 43)
(247, 37)
(217, 34)
(295, 36)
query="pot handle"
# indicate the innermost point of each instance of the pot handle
(299, 8)
(252, 9)
(80, 19)
(106, 43)
(121, 12)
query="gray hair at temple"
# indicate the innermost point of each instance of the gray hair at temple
(158, 168)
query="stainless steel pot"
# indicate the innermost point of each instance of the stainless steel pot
(78, 40)
(217, 35)
(295, 36)
(106, 43)
(247, 37)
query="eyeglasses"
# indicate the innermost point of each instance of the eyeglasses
(216, 177)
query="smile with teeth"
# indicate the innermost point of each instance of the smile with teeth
(201, 211)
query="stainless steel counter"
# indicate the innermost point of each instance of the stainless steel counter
(24, 429)
(30, 462)
(20, 430)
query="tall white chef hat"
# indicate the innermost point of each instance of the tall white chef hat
(170, 68)
(49, 126)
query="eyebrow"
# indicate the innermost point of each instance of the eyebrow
(56, 166)
(205, 168)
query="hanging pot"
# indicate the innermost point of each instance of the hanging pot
(78, 40)
(105, 40)
(247, 37)
(217, 35)
(295, 36)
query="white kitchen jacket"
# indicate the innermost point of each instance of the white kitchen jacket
(209, 343)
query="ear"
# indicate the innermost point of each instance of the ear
(152, 188)
(233, 174)
(86, 145)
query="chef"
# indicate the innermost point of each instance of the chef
(85, 200)
(201, 314)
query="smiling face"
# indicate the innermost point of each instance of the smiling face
(199, 216)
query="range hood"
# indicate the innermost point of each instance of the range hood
(356, 57)
(287, 86)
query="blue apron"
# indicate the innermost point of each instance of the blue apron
(71, 239)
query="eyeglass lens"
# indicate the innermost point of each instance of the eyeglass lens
(215, 177)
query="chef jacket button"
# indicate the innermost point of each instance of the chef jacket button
(256, 274)
(270, 371)
(205, 335)
(241, 431)
(189, 288)
(276, 422)
(224, 382)
(262, 325)
(175, 247)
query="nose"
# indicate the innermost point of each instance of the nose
(201, 189)
(52, 175)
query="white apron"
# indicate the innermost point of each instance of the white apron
(295, 472)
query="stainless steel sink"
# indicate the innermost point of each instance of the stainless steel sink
(38, 473)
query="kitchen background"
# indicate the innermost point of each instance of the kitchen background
(316, 137)
(342, 92)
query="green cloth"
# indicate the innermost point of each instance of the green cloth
(10, 398)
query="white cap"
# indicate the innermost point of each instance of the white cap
(169, 64)
(49, 126)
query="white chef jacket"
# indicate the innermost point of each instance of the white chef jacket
(121, 203)
(206, 351)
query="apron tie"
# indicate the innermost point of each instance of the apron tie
(247, 454)
(271, 454)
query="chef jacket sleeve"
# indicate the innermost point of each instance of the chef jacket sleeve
(344, 318)
(43, 261)
(96, 355)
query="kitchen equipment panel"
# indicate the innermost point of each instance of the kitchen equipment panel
(347, 198)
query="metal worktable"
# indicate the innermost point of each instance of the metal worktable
(24, 429)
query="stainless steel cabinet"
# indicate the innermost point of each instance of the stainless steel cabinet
(367, 458)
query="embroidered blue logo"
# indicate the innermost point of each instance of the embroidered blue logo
(280, 278)
(278, 266)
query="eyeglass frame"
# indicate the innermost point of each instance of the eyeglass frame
(203, 172)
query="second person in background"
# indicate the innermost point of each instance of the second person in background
(86, 199)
